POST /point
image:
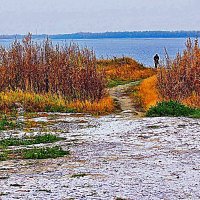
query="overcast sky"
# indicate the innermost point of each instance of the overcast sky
(68, 16)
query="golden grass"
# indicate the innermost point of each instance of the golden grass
(150, 96)
(125, 69)
(148, 92)
(193, 100)
(33, 102)
(104, 106)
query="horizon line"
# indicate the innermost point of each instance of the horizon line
(84, 32)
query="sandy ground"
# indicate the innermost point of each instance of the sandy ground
(118, 157)
(119, 93)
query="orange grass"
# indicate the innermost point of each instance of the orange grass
(33, 102)
(125, 69)
(193, 100)
(104, 106)
(148, 92)
(149, 95)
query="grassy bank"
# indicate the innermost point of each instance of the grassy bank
(120, 71)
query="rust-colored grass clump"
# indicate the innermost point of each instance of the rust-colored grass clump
(104, 106)
(125, 69)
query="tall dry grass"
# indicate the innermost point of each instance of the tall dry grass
(66, 71)
(180, 79)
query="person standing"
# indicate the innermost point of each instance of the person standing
(156, 60)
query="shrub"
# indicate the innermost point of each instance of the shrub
(170, 108)
(69, 72)
(180, 78)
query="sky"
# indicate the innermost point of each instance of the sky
(70, 16)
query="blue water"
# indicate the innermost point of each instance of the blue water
(142, 49)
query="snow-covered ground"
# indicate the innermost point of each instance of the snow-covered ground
(117, 156)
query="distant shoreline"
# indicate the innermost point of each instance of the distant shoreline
(113, 35)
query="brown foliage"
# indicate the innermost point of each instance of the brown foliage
(69, 72)
(180, 78)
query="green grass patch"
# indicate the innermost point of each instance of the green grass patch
(34, 153)
(172, 109)
(43, 153)
(47, 138)
(3, 156)
(114, 83)
(196, 114)
(6, 124)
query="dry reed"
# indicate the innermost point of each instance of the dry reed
(180, 79)
(66, 71)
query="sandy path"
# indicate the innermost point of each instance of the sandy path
(119, 93)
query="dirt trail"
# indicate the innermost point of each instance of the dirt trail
(121, 95)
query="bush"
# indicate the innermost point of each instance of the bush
(171, 108)
(180, 78)
(67, 71)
